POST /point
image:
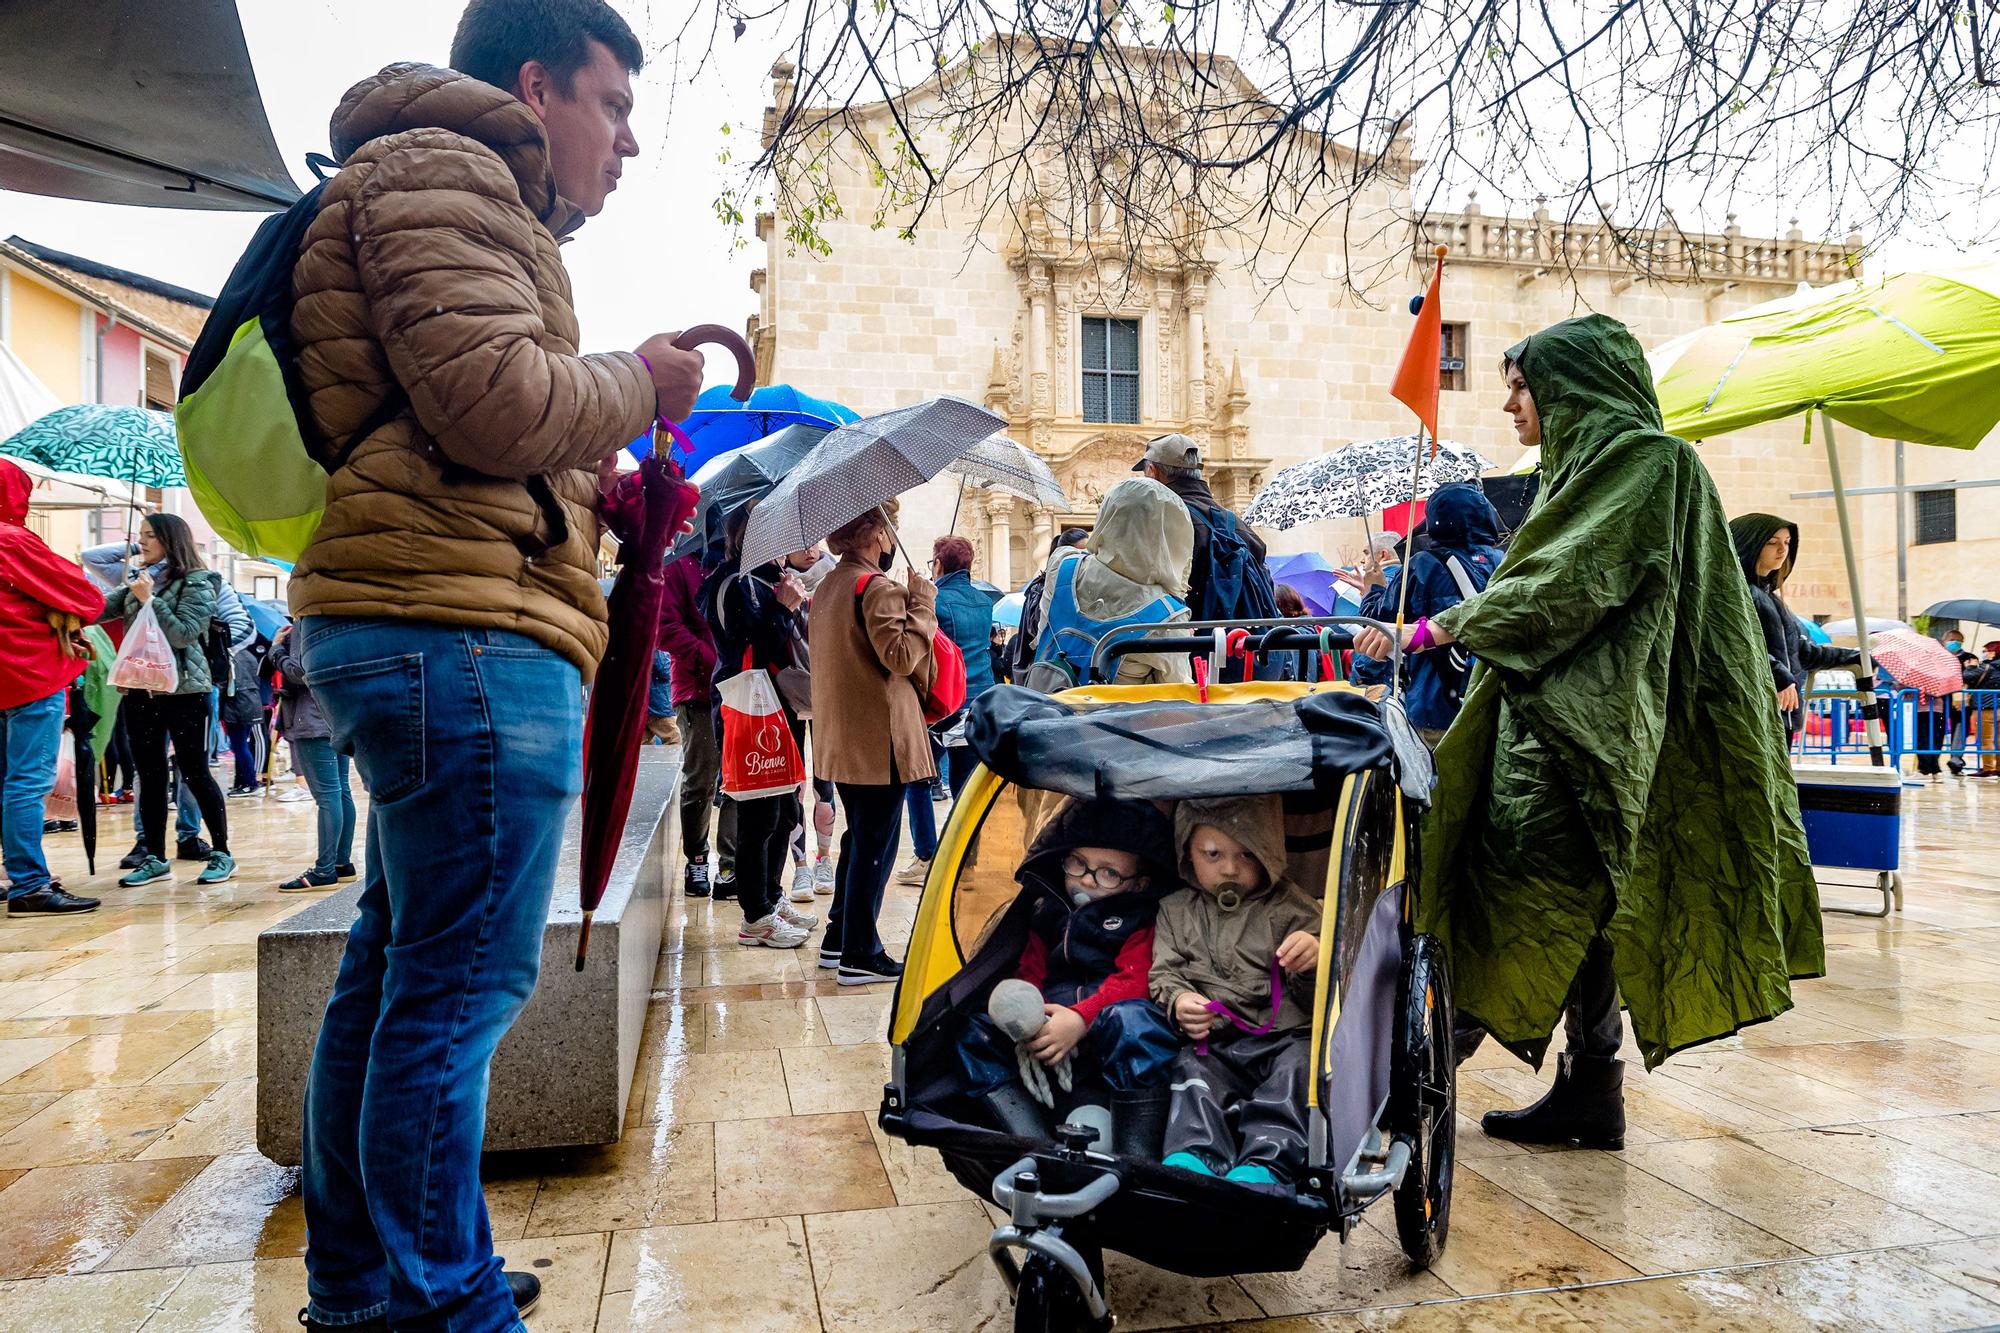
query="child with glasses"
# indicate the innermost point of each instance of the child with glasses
(1094, 877)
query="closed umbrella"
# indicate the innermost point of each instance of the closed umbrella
(858, 467)
(1919, 661)
(644, 510)
(1358, 479)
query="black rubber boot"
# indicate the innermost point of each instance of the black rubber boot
(1018, 1113)
(1585, 1106)
(1139, 1123)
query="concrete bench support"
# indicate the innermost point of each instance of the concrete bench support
(563, 1074)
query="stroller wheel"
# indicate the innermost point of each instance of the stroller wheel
(1423, 1100)
(1047, 1300)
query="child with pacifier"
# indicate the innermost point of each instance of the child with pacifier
(1233, 957)
(1073, 1032)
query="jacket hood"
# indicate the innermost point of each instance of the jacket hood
(1591, 384)
(1123, 826)
(15, 488)
(1460, 515)
(1748, 533)
(1144, 533)
(1258, 822)
(414, 96)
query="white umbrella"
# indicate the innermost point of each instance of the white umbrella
(858, 467)
(1844, 629)
(1358, 479)
(1010, 466)
(74, 490)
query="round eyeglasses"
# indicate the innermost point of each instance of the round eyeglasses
(1104, 877)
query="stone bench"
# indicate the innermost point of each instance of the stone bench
(563, 1073)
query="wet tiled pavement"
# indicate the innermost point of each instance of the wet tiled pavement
(1838, 1168)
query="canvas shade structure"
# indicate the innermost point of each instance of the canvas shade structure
(1359, 479)
(1912, 356)
(858, 467)
(121, 103)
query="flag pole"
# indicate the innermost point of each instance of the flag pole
(1403, 571)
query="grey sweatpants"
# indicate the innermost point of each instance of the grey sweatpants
(1243, 1102)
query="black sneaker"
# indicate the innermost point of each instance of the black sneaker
(58, 826)
(345, 872)
(49, 899)
(309, 882)
(135, 858)
(883, 968)
(372, 1326)
(527, 1289)
(697, 879)
(723, 890)
(193, 849)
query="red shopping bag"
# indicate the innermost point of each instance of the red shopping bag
(760, 757)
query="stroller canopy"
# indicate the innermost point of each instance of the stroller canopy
(1172, 750)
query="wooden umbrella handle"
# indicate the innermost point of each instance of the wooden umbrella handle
(746, 360)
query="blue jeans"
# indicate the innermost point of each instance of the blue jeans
(923, 820)
(325, 772)
(470, 743)
(30, 735)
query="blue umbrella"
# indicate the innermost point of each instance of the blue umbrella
(1312, 577)
(268, 614)
(719, 423)
(134, 444)
(1815, 633)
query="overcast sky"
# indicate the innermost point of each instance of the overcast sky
(654, 259)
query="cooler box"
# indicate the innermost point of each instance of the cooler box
(1853, 815)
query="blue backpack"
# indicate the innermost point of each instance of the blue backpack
(1239, 587)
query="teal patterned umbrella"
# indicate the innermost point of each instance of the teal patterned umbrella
(134, 444)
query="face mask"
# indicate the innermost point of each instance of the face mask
(886, 559)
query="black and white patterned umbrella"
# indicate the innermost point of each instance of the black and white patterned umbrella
(858, 467)
(1356, 479)
(1010, 466)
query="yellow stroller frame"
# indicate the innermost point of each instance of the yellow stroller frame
(1382, 1101)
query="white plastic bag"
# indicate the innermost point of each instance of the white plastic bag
(61, 803)
(146, 660)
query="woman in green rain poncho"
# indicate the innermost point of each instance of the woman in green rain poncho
(1614, 810)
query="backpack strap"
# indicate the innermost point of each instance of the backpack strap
(1460, 577)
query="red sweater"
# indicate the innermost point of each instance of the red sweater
(34, 580)
(684, 631)
(1127, 980)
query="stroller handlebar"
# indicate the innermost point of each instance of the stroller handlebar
(1219, 638)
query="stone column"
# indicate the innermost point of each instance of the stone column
(1040, 288)
(1039, 537)
(1197, 350)
(1000, 540)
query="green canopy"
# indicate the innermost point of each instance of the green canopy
(1909, 356)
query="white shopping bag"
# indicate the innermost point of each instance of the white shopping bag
(146, 660)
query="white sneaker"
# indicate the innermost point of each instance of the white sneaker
(802, 883)
(913, 875)
(792, 916)
(823, 876)
(293, 794)
(771, 932)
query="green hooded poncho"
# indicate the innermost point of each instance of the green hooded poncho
(1618, 765)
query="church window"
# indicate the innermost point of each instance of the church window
(1937, 517)
(1451, 356)
(1110, 369)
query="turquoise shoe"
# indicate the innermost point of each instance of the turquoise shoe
(221, 866)
(1187, 1161)
(1250, 1173)
(146, 872)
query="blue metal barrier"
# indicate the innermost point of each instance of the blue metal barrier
(1964, 728)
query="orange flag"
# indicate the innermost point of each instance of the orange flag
(1416, 383)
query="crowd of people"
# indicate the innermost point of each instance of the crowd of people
(1584, 853)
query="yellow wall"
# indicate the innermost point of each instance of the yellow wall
(44, 329)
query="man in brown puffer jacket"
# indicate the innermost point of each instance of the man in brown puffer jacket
(450, 613)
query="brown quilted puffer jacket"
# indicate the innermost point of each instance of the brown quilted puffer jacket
(433, 266)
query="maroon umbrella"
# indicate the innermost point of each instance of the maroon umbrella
(645, 510)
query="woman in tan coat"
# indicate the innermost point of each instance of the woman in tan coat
(871, 656)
